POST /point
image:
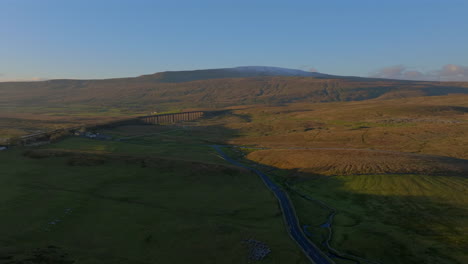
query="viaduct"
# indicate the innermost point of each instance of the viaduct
(161, 119)
(171, 118)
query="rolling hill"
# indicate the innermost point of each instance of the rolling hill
(216, 88)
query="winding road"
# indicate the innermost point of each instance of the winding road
(292, 223)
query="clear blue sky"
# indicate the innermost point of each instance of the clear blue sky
(116, 38)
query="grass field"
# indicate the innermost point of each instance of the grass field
(181, 142)
(387, 218)
(18, 121)
(390, 218)
(384, 215)
(356, 161)
(189, 208)
(162, 195)
(428, 125)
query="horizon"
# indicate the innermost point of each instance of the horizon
(417, 40)
(434, 78)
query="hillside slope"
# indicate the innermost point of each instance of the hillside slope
(215, 88)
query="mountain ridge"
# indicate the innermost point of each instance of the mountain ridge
(222, 73)
(217, 88)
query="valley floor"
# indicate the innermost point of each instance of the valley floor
(394, 174)
(141, 201)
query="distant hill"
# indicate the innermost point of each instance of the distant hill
(217, 88)
(238, 72)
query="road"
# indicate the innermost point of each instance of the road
(291, 221)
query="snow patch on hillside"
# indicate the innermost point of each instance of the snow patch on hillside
(272, 71)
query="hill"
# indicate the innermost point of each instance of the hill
(214, 89)
(435, 125)
(237, 72)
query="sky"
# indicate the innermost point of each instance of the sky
(94, 39)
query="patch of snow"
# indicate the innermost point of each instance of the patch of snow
(272, 71)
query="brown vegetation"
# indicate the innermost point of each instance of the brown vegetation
(148, 92)
(401, 116)
(27, 107)
(429, 125)
(349, 162)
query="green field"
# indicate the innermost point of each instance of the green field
(161, 194)
(189, 208)
(380, 218)
(389, 218)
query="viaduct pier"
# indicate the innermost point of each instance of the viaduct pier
(171, 118)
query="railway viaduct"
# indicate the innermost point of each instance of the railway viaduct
(172, 118)
(161, 119)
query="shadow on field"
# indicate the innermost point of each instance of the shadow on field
(386, 218)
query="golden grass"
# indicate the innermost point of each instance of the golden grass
(428, 125)
(349, 162)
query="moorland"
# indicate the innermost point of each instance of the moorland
(376, 170)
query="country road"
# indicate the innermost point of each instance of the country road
(291, 221)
